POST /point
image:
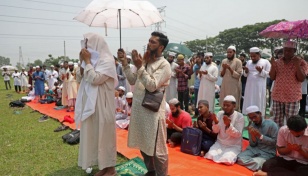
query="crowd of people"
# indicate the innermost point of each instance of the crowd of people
(107, 92)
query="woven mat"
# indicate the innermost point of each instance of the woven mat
(133, 167)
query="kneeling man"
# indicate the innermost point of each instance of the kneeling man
(262, 140)
(228, 125)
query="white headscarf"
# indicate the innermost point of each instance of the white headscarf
(105, 66)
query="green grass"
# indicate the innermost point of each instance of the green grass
(28, 147)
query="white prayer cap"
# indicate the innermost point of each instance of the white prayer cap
(37, 66)
(16, 69)
(172, 54)
(289, 44)
(29, 85)
(232, 47)
(252, 109)
(52, 66)
(61, 64)
(173, 101)
(70, 63)
(208, 54)
(230, 98)
(192, 87)
(46, 88)
(128, 57)
(129, 95)
(53, 88)
(22, 68)
(277, 48)
(122, 88)
(254, 50)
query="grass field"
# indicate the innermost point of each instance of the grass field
(28, 147)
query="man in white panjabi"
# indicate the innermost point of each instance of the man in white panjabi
(17, 80)
(208, 76)
(23, 79)
(52, 77)
(229, 125)
(63, 78)
(231, 71)
(95, 107)
(130, 88)
(147, 129)
(71, 87)
(256, 71)
(171, 90)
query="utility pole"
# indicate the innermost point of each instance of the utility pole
(206, 44)
(158, 25)
(21, 59)
(144, 48)
(64, 51)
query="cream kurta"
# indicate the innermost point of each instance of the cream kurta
(145, 125)
(207, 84)
(98, 137)
(231, 84)
(255, 91)
(64, 86)
(171, 90)
(71, 87)
(24, 78)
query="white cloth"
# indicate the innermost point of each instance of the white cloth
(52, 78)
(17, 80)
(255, 91)
(24, 78)
(105, 65)
(131, 88)
(171, 90)
(229, 141)
(207, 85)
(6, 75)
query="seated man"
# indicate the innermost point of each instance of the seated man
(205, 123)
(292, 146)
(178, 119)
(48, 96)
(262, 140)
(228, 125)
(122, 117)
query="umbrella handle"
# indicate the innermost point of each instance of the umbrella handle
(105, 24)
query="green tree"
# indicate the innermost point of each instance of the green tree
(37, 62)
(4, 61)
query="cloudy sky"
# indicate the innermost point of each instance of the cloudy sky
(40, 27)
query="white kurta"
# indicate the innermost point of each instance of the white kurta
(52, 78)
(24, 78)
(229, 141)
(147, 129)
(131, 88)
(98, 136)
(64, 86)
(17, 80)
(255, 91)
(71, 87)
(207, 85)
(171, 90)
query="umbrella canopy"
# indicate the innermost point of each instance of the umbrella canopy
(287, 29)
(179, 48)
(9, 67)
(119, 14)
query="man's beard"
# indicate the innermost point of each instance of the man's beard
(176, 113)
(254, 62)
(231, 58)
(130, 104)
(71, 69)
(208, 63)
(170, 61)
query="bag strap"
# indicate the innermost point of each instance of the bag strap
(146, 65)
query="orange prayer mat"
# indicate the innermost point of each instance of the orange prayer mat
(179, 163)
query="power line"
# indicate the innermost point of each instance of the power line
(54, 4)
(36, 18)
(36, 9)
(39, 23)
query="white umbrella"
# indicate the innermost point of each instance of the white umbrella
(8, 67)
(119, 14)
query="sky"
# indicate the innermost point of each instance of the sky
(40, 27)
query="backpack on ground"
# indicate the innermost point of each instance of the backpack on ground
(191, 141)
(17, 103)
(72, 137)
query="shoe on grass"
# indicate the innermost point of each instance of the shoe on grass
(43, 118)
(61, 128)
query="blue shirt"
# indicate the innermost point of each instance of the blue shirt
(197, 80)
